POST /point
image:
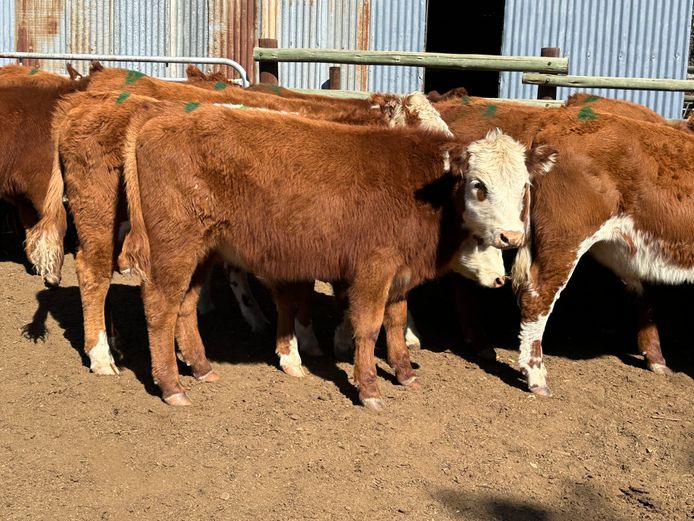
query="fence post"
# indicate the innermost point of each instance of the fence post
(335, 78)
(268, 71)
(545, 92)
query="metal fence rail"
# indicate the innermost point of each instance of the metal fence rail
(123, 58)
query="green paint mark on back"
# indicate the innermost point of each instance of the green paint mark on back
(190, 107)
(490, 112)
(220, 85)
(591, 99)
(275, 89)
(133, 76)
(465, 99)
(122, 97)
(586, 114)
(33, 71)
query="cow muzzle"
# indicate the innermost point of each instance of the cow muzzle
(507, 239)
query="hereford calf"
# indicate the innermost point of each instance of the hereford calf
(89, 131)
(381, 210)
(621, 191)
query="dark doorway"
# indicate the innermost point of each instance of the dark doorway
(467, 28)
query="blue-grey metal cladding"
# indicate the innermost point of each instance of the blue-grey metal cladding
(7, 24)
(223, 28)
(346, 24)
(632, 38)
(398, 26)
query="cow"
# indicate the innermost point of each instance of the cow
(621, 191)
(469, 121)
(89, 130)
(15, 74)
(381, 210)
(26, 105)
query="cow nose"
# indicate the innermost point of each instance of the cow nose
(507, 239)
(499, 281)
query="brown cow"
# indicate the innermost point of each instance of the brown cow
(26, 105)
(622, 192)
(469, 121)
(89, 129)
(14, 74)
(293, 218)
(522, 122)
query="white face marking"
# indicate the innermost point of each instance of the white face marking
(494, 186)
(416, 103)
(100, 358)
(484, 264)
(254, 316)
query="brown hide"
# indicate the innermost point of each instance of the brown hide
(26, 162)
(333, 202)
(21, 75)
(135, 83)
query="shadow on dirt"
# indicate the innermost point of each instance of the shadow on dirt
(595, 317)
(579, 502)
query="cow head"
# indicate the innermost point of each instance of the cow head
(497, 171)
(483, 264)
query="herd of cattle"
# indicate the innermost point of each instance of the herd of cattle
(374, 196)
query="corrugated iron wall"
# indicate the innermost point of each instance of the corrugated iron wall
(221, 28)
(7, 25)
(346, 24)
(641, 38)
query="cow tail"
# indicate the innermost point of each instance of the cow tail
(134, 257)
(44, 242)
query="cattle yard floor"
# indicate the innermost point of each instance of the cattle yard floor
(615, 442)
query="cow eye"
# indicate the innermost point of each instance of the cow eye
(480, 189)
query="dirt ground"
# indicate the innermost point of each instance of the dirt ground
(615, 442)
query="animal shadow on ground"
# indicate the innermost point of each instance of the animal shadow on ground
(579, 502)
(594, 317)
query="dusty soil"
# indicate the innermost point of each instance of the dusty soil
(615, 442)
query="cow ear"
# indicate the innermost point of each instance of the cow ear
(690, 122)
(540, 159)
(193, 72)
(72, 72)
(95, 66)
(455, 158)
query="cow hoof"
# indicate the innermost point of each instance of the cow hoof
(105, 370)
(411, 383)
(660, 369)
(178, 400)
(540, 390)
(294, 370)
(375, 404)
(210, 377)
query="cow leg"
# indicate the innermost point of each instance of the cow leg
(254, 316)
(285, 296)
(395, 323)
(648, 338)
(187, 333)
(536, 297)
(162, 302)
(94, 267)
(367, 300)
(303, 324)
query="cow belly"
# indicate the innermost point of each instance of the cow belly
(635, 256)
